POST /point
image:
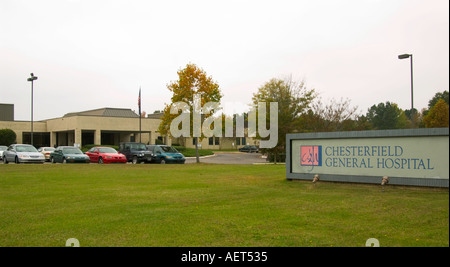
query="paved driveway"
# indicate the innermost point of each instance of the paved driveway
(231, 158)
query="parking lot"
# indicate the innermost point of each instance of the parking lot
(231, 158)
(238, 158)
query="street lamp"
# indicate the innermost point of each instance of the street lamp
(405, 56)
(32, 79)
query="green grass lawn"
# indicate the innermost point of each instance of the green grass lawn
(190, 152)
(209, 205)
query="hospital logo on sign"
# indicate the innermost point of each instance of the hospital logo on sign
(311, 155)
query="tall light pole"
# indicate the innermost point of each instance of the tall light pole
(405, 56)
(32, 79)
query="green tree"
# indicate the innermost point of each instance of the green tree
(192, 81)
(7, 137)
(437, 97)
(413, 115)
(293, 99)
(310, 121)
(387, 116)
(362, 124)
(438, 116)
(335, 116)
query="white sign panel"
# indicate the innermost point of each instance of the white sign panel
(414, 157)
(403, 154)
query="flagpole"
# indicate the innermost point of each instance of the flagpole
(140, 116)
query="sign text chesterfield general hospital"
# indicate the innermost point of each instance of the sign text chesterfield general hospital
(368, 157)
(408, 157)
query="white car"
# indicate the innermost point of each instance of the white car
(46, 151)
(2, 148)
(19, 153)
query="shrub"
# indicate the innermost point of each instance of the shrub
(280, 157)
(7, 137)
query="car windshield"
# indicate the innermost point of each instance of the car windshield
(72, 150)
(49, 149)
(169, 149)
(138, 147)
(3, 148)
(26, 149)
(107, 150)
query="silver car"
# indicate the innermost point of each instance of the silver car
(19, 153)
(2, 149)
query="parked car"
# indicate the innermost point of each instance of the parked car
(46, 151)
(20, 153)
(105, 155)
(166, 154)
(2, 148)
(68, 154)
(249, 149)
(135, 152)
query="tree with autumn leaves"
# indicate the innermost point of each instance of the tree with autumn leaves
(192, 81)
(438, 115)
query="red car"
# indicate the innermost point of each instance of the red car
(105, 155)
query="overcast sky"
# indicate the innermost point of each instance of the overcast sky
(91, 54)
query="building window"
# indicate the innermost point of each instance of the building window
(159, 140)
(214, 141)
(240, 141)
(39, 139)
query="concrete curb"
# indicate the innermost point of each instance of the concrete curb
(204, 157)
(269, 163)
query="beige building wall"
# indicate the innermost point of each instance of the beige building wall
(73, 130)
(69, 130)
(122, 128)
(225, 143)
(20, 127)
